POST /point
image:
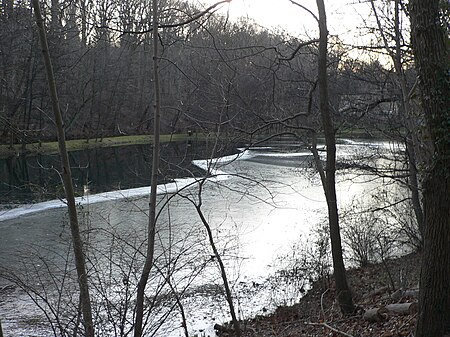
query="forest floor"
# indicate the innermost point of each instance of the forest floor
(317, 313)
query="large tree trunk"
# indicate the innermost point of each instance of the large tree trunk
(430, 46)
(342, 290)
(67, 180)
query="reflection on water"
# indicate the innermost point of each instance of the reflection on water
(27, 178)
(269, 199)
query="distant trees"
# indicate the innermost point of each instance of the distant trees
(18, 69)
(431, 53)
(384, 102)
(399, 52)
(100, 58)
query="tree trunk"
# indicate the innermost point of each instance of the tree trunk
(430, 46)
(237, 328)
(154, 183)
(344, 296)
(67, 179)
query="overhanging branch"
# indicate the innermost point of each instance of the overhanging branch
(301, 45)
(306, 9)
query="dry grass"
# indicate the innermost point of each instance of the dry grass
(83, 144)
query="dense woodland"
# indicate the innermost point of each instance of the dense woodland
(214, 73)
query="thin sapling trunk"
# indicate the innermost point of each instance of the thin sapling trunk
(149, 260)
(66, 175)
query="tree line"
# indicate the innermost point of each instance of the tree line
(213, 72)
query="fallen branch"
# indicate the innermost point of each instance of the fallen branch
(331, 328)
(321, 304)
(403, 308)
(407, 322)
(7, 287)
(376, 314)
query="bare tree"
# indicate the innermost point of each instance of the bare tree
(67, 180)
(223, 273)
(328, 177)
(151, 230)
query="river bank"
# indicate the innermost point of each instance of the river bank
(48, 148)
(317, 313)
(51, 147)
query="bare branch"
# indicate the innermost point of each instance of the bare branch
(174, 25)
(301, 45)
(306, 9)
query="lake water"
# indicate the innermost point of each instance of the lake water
(260, 202)
(26, 178)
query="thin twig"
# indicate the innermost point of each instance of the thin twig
(306, 9)
(331, 328)
(409, 320)
(301, 45)
(321, 303)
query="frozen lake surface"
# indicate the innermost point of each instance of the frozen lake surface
(259, 203)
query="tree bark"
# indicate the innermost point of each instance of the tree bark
(80, 263)
(430, 46)
(344, 296)
(149, 260)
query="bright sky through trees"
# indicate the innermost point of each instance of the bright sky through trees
(344, 16)
(347, 19)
